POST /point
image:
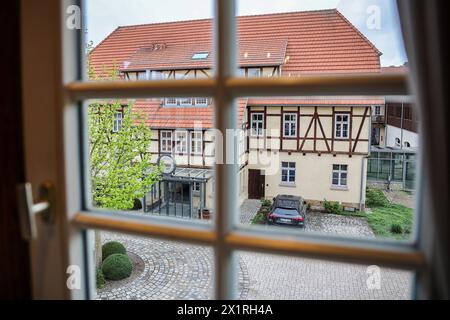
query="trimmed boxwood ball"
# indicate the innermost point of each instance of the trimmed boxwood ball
(112, 247)
(117, 267)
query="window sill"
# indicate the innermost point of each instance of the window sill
(288, 185)
(337, 188)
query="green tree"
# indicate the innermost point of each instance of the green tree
(120, 166)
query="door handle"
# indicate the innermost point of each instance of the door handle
(28, 209)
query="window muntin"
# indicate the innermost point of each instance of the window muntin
(166, 141)
(257, 124)
(117, 125)
(290, 125)
(181, 139)
(340, 174)
(196, 142)
(288, 172)
(342, 125)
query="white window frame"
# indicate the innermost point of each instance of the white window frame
(201, 102)
(340, 171)
(291, 123)
(225, 237)
(118, 119)
(291, 171)
(196, 143)
(339, 134)
(186, 102)
(257, 132)
(170, 102)
(166, 141)
(181, 140)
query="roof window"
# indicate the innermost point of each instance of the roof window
(200, 55)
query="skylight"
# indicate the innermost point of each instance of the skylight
(200, 55)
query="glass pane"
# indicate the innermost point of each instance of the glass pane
(293, 38)
(137, 268)
(344, 189)
(148, 40)
(151, 164)
(271, 277)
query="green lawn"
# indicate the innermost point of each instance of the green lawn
(384, 220)
(387, 220)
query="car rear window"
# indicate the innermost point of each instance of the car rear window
(287, 204)
(286, 212)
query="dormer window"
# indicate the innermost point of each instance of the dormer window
(200, 55)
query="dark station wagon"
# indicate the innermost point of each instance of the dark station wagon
(288, 210)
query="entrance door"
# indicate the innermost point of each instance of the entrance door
(256, 182)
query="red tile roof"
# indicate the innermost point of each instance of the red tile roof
(395, 69)
(176, 117)
(318, 41)
(317, 101)
(260, 52)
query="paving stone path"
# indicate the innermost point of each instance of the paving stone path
(179, 271)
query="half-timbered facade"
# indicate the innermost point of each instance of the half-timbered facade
(315, 147)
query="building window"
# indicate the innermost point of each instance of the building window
(181, 142)
(398, 142)
(196, 187)
(257, 124)
(253, 72)
(196, 142)
(186, 102)
(171, 102)
(200, 55)
(377, 110)
(288, 172)
(201, 102)
(143, 75)
(407, 144)
(340, 175)
(290, 124)
(341, 126)
(157, 75)
(117, 125)
(166, 141)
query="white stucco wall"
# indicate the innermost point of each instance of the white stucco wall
(394, 132)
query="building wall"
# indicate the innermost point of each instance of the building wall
(313, 179)
(408, 136)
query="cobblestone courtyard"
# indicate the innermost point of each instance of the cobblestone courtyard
(176, 271)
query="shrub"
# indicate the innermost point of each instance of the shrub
(117, 267)
(112, 247)
(332, 207)
(396, 228)
(376, 198)
(100, 279)
(266, 203)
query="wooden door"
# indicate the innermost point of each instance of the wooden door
(256, 183)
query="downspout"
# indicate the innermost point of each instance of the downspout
(363, 171)
(401, 127)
